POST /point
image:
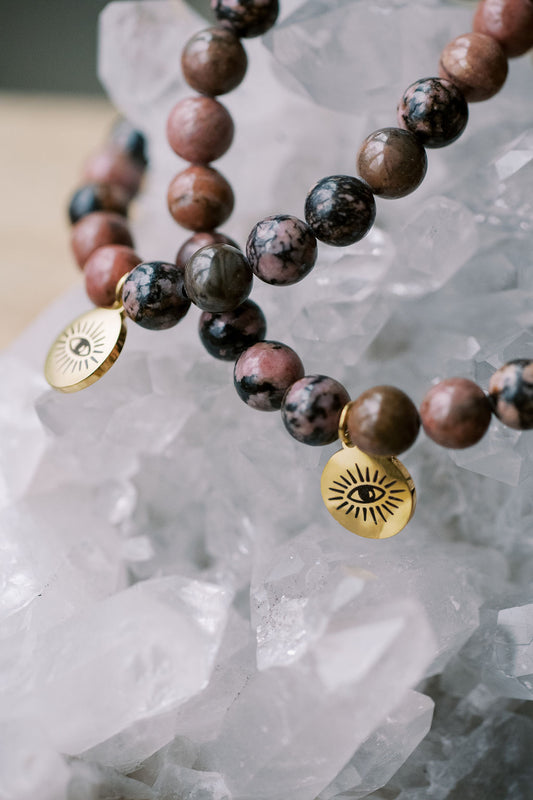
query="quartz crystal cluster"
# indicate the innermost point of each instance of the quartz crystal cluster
(179, 615)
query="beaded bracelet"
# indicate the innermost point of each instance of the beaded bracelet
(364, 486)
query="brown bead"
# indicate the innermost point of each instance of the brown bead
(96, 230)
(392, 161)
(476, 64)
(200, 129)
(198, 240)
(455, 413)
(214, 61)
(103, 270)
(511, 394)
(110, 164)
(510, 22)
(200, 198)
(383, 421)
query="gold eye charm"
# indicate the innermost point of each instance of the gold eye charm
(372, 496)
(86, 349)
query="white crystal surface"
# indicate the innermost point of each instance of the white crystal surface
(261, 651)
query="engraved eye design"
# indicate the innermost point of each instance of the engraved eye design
(370, 496)
(79, 346)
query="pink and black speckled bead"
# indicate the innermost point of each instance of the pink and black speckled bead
(246, 18)
(226, 336)
(312, 408)
(511, 394)
(264, 372)
(434, 110)
(340, 210)
(154, 296)
(281, 250)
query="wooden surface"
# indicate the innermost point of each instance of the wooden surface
(43, 142)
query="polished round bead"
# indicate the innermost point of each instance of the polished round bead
(476, 64)
(510, 22)
(511, 394)
(383, 421)
(218, 278)
(96, 230)
(434, 110)
(198, 240)
(200, 198)
(246, 18)
(340, 210)
(264, 372)
(130, 141)
(455, 413)
(226, 336)
(281, 250)
(154, 297)
(110, 164)
(214, 61)
(103, 270)
(392, 161)
(98, 197)
(200, 129)
(312, 407)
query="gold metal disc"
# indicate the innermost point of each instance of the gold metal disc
(371, 496)
(86, 349)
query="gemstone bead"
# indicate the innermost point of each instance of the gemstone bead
(200, 198)
(199, 240)
(340, 210)
(455, 413)
(98, 197)
(476, 64)
(281, 250)
(434, 110)
(110, 164)
(96, 230)
(218, 278)
(226, 336)
(511, 394)
(200, 129)
(153, 295)
(510, 22)
(214, 61)
(246, 18)
(130, 141)
(264, 372)
(383, 421)
(312, 407)
(392, 161)
(103, 270)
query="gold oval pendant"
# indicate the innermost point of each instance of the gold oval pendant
(371, 496)
(86, 349)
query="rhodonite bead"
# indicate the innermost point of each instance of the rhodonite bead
(103, 270)
(312, 407)
(281, 250)
(434, 110)
(214, 61)
(218, 278)
(383, 421)
(96, 230)
(476, 64)
(199, 240)
(511, 394)
(200, 129)
(226, 335)
(392, 161)
(510, 22)
(340, 210)
(200, 198)
(246, 17)
(264, 372)
(455, 413)
(98, 197)
(110, 164)
(153, 295)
